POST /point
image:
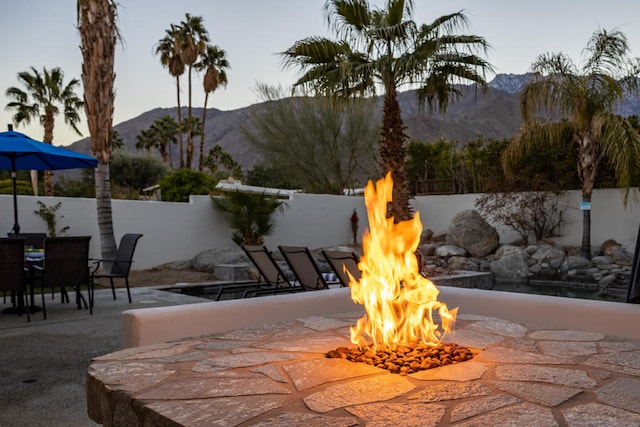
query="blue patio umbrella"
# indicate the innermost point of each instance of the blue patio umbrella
(20, 152)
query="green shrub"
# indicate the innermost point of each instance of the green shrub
(179, 185)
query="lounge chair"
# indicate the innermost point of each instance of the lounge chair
(342, 262)
(271, 278)
(304, 267)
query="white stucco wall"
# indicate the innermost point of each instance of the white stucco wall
(177, 231)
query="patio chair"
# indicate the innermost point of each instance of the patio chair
(13, 276)
(35, 240)
(304, 267)
(66, 264)
(342, 262)
(118, 267)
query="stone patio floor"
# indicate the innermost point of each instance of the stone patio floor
(277, 375)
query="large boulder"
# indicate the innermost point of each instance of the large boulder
(470, 231)
(512, 263)
(207, 260)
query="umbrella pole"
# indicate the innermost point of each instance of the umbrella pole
(16, 226)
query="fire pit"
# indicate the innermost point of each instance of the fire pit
(277, 374)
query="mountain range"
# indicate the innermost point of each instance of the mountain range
(494, 114)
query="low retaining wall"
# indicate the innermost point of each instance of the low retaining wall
(156, 325)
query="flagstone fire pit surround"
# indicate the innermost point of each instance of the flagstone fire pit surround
(261, 362)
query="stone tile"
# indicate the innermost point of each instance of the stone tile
(598, 415)
(311, 373)
(623, 393)
(449, 391)
(465, 371)
(567, 335)
(617, 346)
(316, 343)
(271, 371)
(351, 316)
(568, 348)
(509, 355)
(473, 338)
(358, 392)
(465, 316)
(561, 376)
(547, 394)
(219, 345)
(257, 333)
(506, 329)
(626, 362)
(242, 360)
(389, 414)
(229, 411)
(190, 356)
(205, 387)
(150, 352)
(522, 414)
(481, 405)
(307, 420)
(324, 323)
(129, 376)
(521, 344)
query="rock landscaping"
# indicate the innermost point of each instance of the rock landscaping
(543, 265)
(472, 245)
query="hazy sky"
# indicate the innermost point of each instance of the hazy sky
(42, 33)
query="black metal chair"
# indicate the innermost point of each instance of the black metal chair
(342, 262)
(118, 267)
(35, 240)
(13, 277)
(66, 264)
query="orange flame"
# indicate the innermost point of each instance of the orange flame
(398, 300)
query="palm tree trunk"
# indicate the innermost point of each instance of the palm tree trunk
(179, 124)
(189, 133)
(34, 182)
(103, 204)
(48, 138)
(393, 153)
(204, 118)
(585, 248)
(98, 34)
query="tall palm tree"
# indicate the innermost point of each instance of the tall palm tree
(98, 35)
(43, 97)
(169, 51)
(166, 130)
(192, 127)
(585, 99)
(214, 63)
(146, 140)
(384, 48)
(192, 42)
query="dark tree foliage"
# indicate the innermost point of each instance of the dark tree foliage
(135, 172)
(177, 186)
(273, 177)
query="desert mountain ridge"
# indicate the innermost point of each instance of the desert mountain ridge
(494, 114)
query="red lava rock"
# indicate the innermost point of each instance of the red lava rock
(407, 358)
